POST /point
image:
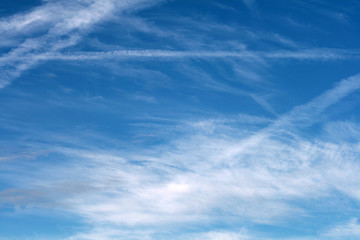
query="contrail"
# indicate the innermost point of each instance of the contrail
(310, 54)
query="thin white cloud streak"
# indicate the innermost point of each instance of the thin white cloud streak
(23, 58)
(261, 100)
(249, 3)
(309, 54)
(301, 116)
(63, 22)
(305, 113)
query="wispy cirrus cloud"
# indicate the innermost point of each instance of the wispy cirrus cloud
(59, 24)
(43, 34)
(208, 177)
(350, 230)
(203, 174)
(249, 3)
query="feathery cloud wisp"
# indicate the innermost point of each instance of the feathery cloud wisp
(244, 178)
(63, 22)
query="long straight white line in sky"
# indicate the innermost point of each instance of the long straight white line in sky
(311, 54)
(14, 64)
(302, 115)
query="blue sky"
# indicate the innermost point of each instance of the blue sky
(154, 119)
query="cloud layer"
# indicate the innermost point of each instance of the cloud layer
(165, 123)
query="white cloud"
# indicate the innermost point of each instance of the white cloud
(350, 230)
(204, 177)
(308, 54)
(63, 23)
(219, 170)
